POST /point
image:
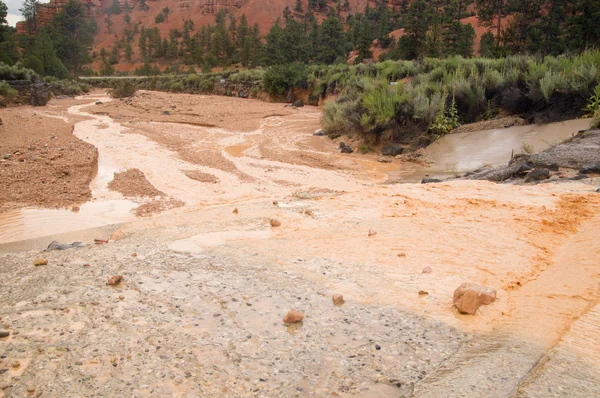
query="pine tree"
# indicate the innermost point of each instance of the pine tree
(298, 7)
(128, 51)
(332, 41)
(43, 50)
(491, 13)
(583, 29)
(8, 48)
(166, 13)
(364, 40)
(73, 34)
(107, 20)
(418, 22)
(143, 5)
(29, 11)
(551, 26)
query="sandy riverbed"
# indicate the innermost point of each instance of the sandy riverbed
(205, 287)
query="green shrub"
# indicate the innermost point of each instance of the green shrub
(123, 88)
(32, 62)
(176, 87)
(278, 79)
(7, 93)
(17, 72)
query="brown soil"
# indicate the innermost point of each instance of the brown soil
(157, 206)
(196, 110)
(133, 183)
(501, 123)
(41, 162)
(202, 177)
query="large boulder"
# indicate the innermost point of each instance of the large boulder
(392, 149)
(470, 296)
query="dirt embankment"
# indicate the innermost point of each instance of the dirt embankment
(41, 162)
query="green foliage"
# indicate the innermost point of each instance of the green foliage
(7, 93)
(278, 79)
(365, 148)
(592, 107)
(160, 18)
(176, 87)
(123, 88)
(32, 62)
(17, 72)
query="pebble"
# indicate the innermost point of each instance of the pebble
(275, 203)
(372, 232)
(235, 211)
(377, 347)
(133, 254)
(121, 297)
(293, 317)
(40, 261)
(427, 270)
(423, 293)
(275, 222)
(4, 333)
(16, 364)
(338, 299)
(115, 280)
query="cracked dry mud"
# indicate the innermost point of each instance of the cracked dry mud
(205, 288)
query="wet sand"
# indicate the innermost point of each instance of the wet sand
(206, 285)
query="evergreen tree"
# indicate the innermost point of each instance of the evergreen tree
(43, 50)
(491, 13)
(107, 20)
(298, 7)
(488, 45)
(143, 5)
(332, 41)
(128, 51)
(115, 8)
(583, 29)
(29, 11)
(73, 34)
(364, 40)
(166, 13)
(8, 49)
(418, 21)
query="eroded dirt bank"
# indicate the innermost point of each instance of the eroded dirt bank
(205, 286)
(41, 162)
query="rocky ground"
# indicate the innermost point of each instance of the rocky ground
(205, 286)
(41, 162)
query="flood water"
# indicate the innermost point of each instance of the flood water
(459, 153)
(452, 154)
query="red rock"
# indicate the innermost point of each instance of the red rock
(100, 241)
(470, 296)
(427, 270)
(275, 222)
(235, 211)
(40, 261)
(338, 299)
(423, 293)
(293, 317)
(115, 280)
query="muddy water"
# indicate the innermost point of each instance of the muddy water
(459, 153)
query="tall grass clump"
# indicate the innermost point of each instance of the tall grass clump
(123, 88)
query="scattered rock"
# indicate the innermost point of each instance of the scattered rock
(537, 175)
(377, 347)
(1, 123)
(242, 94)
(372, 232)
(40, 261)
(293, 317)
(4, 333)
(133, 254)
(31, 390)
(100, 241)
(86, 265)
(166, 113)
(590, 169)
(121, 297)
(401, 255)
(427, 270)
(63, 246)
(392, 149)
(338, 299)
(275, 203)
(319, 133)
(274, 222)
(235, 211)
(346, 149)
(298, 104)
(16, 364)
(423, 293)
(470, 296)
(524, 168)
(98, 102)
(115, 280)
(383, 159)
(428, 180)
